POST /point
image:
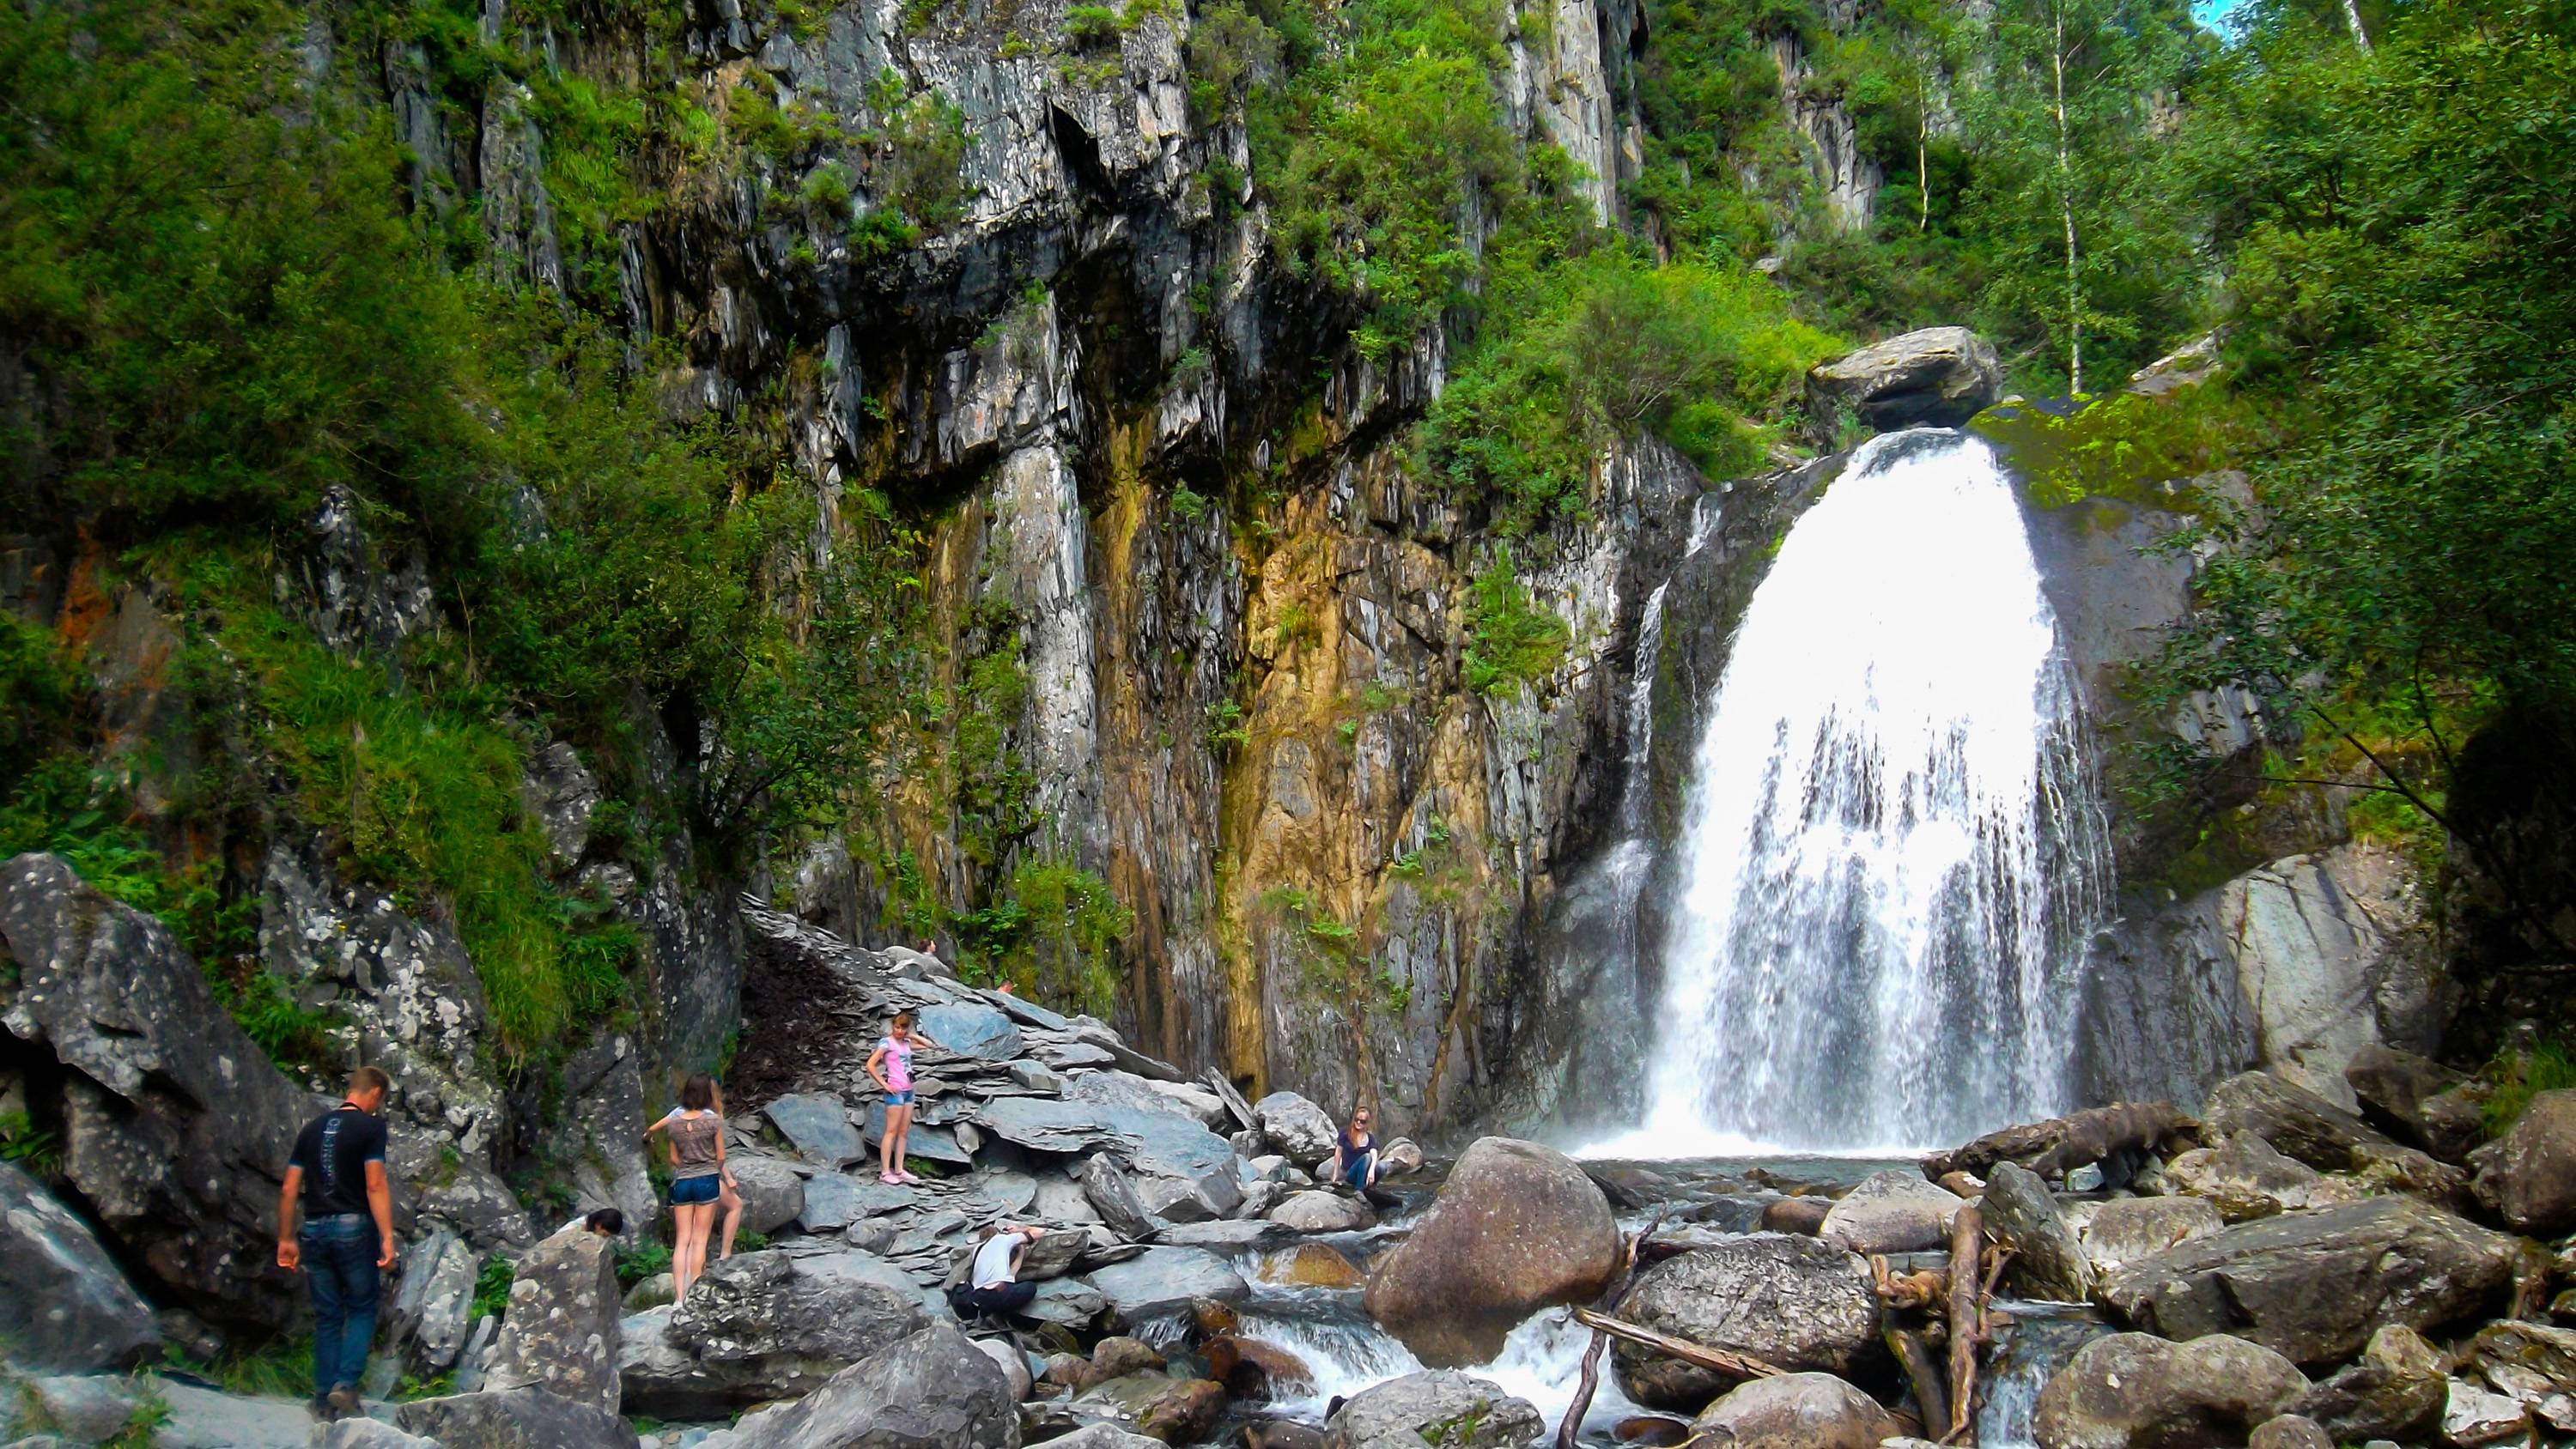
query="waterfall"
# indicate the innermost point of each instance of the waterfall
(1892, 851)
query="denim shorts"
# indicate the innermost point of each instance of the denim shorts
(899, 1099)
(691, 1191)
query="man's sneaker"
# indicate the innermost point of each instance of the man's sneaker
(321, 1410)
(344, 1402)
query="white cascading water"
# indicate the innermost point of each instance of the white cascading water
(1892, 851)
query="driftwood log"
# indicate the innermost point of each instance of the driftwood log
(2054, 1147)
(1967, 1240)
(1922, 1374)
(1697, 1355)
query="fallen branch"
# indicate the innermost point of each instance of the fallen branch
(1921, 1289)
(1967, 1239)
(2050, 1148)
(1697, 1355)
(1922, 1374)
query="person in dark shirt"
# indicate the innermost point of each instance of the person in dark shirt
(337, 1176)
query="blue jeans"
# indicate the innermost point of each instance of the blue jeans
(1355, 1171)
(340, 1268)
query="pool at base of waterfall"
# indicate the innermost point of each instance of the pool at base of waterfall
(1344, 1353)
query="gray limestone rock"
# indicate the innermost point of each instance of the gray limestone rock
(173, 1122)
(2391, 1088)
(2124, 1230)
(561, 1333)
(366, 1434)
(1408, 1412)
(205, 1419)
(1315, 1211)
(772, 1192)
(523, 1418)
(818, 1127)
(2245, 1179)
(88, 1409)
(1106, 1187)
(2022, 1216)
(762, 1326)
(2395, 1390)
(1796, 1411)
(1891, 1212)
(1295, 1128)
(1798, 1303)
(434, 1302)
(2325, 1136)
(1161, 1280)
(1937, 377)
(2136, 1391)
(65, 1306)
(972, 1030)
(2528, 1176)
(2313, 1286)
(600, 1137)
(931, 1387)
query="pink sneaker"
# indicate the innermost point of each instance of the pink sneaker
(890, 1179)
(907, 1177)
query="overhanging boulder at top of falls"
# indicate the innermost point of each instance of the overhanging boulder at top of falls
(1937, 377)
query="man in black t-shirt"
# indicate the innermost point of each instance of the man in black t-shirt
(338, 1174)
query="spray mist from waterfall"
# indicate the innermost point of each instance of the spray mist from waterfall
(1892, 853)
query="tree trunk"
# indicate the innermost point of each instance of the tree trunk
(2352, 17)
(1967, 1237)
(1922, 1375)
(2066, 206)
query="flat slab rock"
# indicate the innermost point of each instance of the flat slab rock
(1165, 1280)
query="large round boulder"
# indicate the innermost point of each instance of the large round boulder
(1295, 1128)
(1797, 1411)
(773, 1193)
(1796, 1303)
(2137, 1391)
(2528, 1176)
(1518, 1227)
(930, 1387)
(1448, 1409)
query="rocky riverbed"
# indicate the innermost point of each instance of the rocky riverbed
(2278, 1271)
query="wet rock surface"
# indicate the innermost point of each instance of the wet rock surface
(2137, 1391)
(1516, 1227)
(1461, 1410)
(1796, 1303)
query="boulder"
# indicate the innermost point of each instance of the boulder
(1313, 1265)
(1106, 1187)
(524, 1418)
(818, 1127)
(1119, 1355)
(1516, 1228)
(772, 1192)
(366, 1434)
(1014, 1364)
(2301, 1124)
(1150, 1143)
(1103, 1436)
(433, 1302)
(2126, 1229)
(931, 1387)
(2289, 1431)
(2395, 1390)
(65, 1306)
(1448, 1410)
(1399, 1157)
(1296, 1128)
(761, 1326)
(2472, 1416)
(1165, 1409)
(1938, 377)
(2021, 1215)
(560, 1334)
(2312, 1286)
(1891, 1212)
(2245, 1179)
(2392, 1087)
(174, 1125)
(1804, 1216)
(1797, 1411)
(2137, 1391)
(1166, 1280)
(1317, 1211)
(2540, 1351)
(600, 1133)
(971, 1030)
(1797, 1303)
(2528, 1176)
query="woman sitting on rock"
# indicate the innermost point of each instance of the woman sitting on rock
(891, 1065)
(697, 1177)
(1355, 1154)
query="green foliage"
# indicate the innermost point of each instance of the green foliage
(37, 1149)
(492, 1288)
(2402, 268)
(1089, 26)
(279, 1368)
(2514, 1078)
(1052, 931)
(2123, 446)
(1595, 351)
(1225, 726)
(641, 1259)
(1191, 506)
(1511, 641)
(1372, 152)
(1229, 48)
